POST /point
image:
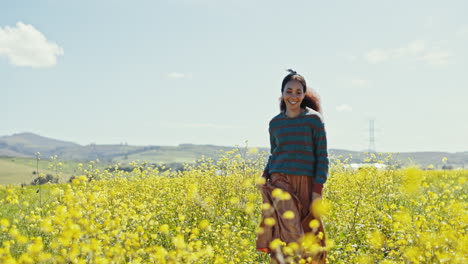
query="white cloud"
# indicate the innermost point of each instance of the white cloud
(463, 31)
(381, 55)
(376, 56)
(24, 45)
(436, 58)
(199, 125)
(357, 82)
(178, 75)
(415, 50)
(415, 46)
(344, 108)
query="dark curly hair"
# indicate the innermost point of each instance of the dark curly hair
(311, 98)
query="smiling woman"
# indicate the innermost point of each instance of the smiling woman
(309, 99)
(294, 175)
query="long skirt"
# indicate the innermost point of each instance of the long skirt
(288, 229)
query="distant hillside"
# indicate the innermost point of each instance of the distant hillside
(27, 144)
(423, 159)
(184, 153)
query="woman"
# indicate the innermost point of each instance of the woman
(298, 167)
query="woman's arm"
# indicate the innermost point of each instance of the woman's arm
(321, 158)
(266, 171)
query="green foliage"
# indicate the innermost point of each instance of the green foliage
(43, 180)
(209, 213)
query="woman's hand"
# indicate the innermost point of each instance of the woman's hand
(316, 196)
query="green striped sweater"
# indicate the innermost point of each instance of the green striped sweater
(299, 147)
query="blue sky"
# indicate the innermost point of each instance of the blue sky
(209, 71)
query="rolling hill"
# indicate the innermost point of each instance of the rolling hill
(27, 144)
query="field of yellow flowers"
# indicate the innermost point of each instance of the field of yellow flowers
(210, 213)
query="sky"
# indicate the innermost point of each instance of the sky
(168, 72)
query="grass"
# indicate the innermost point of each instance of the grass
(14, 170)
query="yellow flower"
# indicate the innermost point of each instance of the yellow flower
(204, 224)
(276, 243)
(269, 221)
(266, 206)
(22, 239)
(260, 230)
(314, 224)
(412, 179)
(253, 151)
(164, 228)
(375, 239)
(234, 200)
(4, 223)
(261, 181)
(249, 208)
(277, 193)
(36, 247)
(320, 207)
(46, 226)
(288, 215)
(179, 242)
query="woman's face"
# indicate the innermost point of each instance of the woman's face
(293, 94)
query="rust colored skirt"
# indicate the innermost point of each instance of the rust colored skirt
(288, 230)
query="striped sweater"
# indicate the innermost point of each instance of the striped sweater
(299, 147)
